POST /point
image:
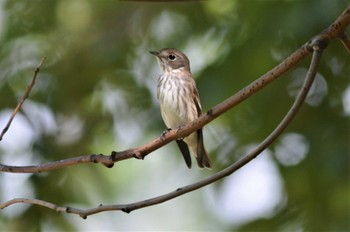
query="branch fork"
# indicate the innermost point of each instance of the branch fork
(314, 46)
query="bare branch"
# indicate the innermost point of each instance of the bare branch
(127, 208)
(345, 41)
(335, 30)
(25, 96)
(142, 151)
(57, 164)
(315, 45)
(33, 202)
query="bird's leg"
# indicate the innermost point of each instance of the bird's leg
(164, 133)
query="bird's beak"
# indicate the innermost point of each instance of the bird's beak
(154, 53)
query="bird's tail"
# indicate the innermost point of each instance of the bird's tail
(202, 157)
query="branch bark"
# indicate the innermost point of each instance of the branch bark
(335, 30)
(25, 96)
(315, 45)
(142, 151)
(346, 41)
(127, 208)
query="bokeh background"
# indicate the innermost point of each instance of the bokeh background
(96, 93)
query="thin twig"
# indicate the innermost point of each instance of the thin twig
(144, 150)
(34, 202)
(57, 164)
(335, 30)
(127, 208)
(316, 45)
(25, 96)
(344, 38)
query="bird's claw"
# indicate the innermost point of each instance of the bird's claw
(162, 136)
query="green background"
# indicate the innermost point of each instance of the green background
(96, 93)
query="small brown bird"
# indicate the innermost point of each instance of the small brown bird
(179, 102)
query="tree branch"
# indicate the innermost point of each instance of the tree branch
(335, 30)
(142, 151)
(127, 208)
(345, 41)
(25, 96)
(315, 46)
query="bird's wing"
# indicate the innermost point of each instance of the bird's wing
(197, 102)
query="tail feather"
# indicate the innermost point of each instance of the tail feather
(202, 157)
(185, 152)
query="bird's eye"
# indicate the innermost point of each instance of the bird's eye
(171, 57)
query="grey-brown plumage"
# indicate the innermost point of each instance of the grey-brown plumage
(179, 102)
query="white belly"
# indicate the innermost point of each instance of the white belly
(177, 107)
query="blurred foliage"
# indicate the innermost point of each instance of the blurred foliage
(97, 93)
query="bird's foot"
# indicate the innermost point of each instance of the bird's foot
(162, 136)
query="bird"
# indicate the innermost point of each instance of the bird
(179, 102)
